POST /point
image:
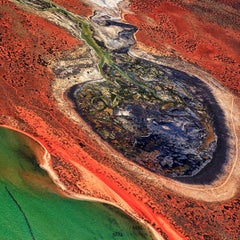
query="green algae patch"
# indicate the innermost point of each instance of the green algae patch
(30, 209)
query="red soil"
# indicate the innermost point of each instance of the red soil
(206, 34)
(27, 44)
(75, 6)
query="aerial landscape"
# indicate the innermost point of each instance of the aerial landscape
(120, 119)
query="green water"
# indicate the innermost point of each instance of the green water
(29, 208)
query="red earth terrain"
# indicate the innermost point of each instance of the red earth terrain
(205, 33)
(75, 6)
(29, 43)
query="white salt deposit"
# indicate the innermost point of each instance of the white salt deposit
(107, 3)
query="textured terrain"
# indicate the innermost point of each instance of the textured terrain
(203, 32)
(32, 99)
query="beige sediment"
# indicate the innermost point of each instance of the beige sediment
(227, 184)
(224, 188)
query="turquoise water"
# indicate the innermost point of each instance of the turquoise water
(31, 209)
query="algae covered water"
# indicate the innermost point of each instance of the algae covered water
(30, 208)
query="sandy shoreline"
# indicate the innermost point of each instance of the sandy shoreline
(226, 185)
(224, 188)
(44, 159)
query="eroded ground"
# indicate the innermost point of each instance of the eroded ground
(79, 157)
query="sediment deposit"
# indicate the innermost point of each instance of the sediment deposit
(32, 99)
